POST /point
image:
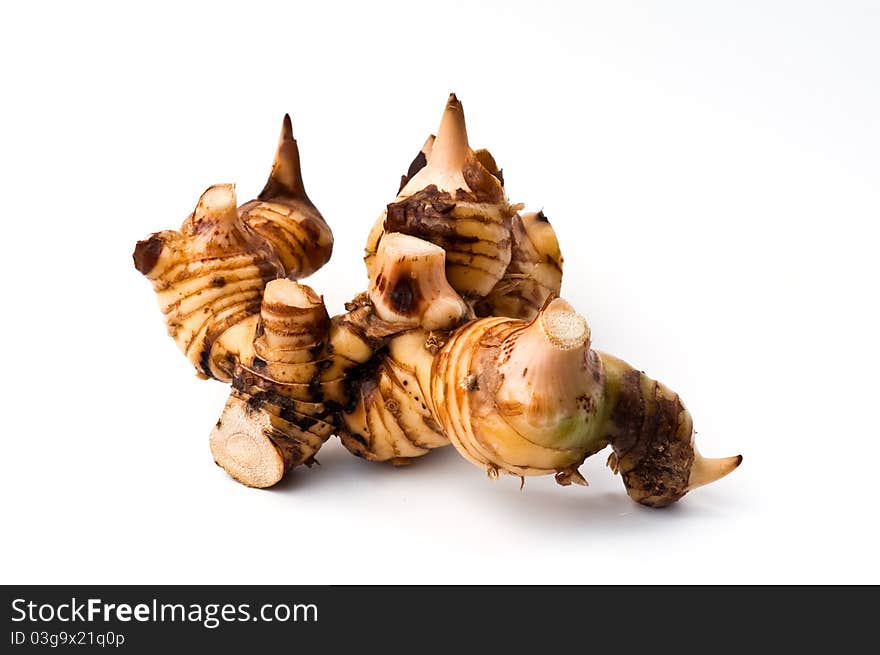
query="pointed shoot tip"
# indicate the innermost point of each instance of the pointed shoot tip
(706, 470)
(286, 128)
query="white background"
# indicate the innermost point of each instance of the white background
(713, 173)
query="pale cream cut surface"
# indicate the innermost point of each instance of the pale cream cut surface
(216, 201)
(287, 292)
(564, 327)
(239, 444)
(396, 244)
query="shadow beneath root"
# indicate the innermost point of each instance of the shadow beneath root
(350, 472)
(542, 503)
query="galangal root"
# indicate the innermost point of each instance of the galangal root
(461, 336)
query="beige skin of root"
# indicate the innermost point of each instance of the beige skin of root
(514, 397)
(409, 367)
(209, 278)
(522, 398)
(210, 274)
(532, 398)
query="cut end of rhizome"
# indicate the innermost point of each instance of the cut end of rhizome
(563, 326)
(240, 445)
(216, 205)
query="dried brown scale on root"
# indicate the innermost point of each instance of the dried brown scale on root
(260, 392)
(146, 253)
(533, 275)
(363, 321)
(461, 228)
(652, 435)
(418, 162)
(487, 161)
(570, 476)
